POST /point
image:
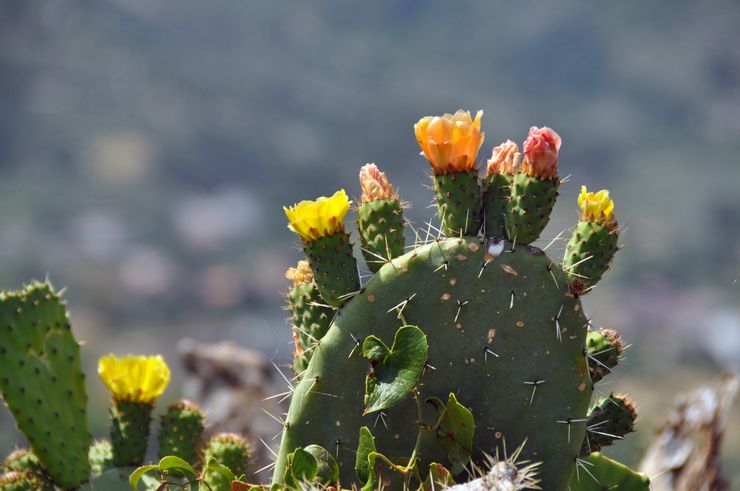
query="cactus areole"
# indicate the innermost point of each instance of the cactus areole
(468, 345)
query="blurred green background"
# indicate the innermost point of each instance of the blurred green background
(147, 148)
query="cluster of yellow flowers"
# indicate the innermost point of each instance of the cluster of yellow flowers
(597, 207)
(131, 378)
(301, 274)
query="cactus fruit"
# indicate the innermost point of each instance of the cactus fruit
(101, 457)
(180, 431)
(608, 421)
(603, 349)
(27, 469)
(23, 481)
(590, 250)
(379, 218)
(310, 317)
(230, 450)
(487, 324)
(135, 383)
(320, 224)
(42, 382)
(450, 143)
(501, 168)
(534, 188)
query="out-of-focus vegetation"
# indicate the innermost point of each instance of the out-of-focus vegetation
(147, 148)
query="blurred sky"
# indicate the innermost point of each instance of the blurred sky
(147, 148)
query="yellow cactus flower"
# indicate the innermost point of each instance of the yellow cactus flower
(597, 207)
(375, 185)
(312, 220)
(134, 378)
(301, 274)
(450, 142)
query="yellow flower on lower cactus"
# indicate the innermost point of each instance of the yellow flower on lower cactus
(312, 220)
(134, 378)
(301, 274)
(450, 142)
(597, 207)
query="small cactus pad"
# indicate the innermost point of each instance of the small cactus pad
(42, 381)
(180, 431)
(530, 206)
(23, 481)
(500, 322)
(28, 470)
(598, 473)
(310, 318)
(230, 450)
(380, 223)
(604, 349)
(334, 267)
(495, 204)
(101, 457)
(588, 254)
(609, 421)
(129, 431)
(458, 202)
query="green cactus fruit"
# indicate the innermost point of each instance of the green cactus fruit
(42, 381)
(530, 206)
(101, 457)
(380, 224)
(181, 430)
(495, 204)
(23, 481)
(588, 254)
(505, 322)
(609, 421)
(603, 349)
(310, 316)
(598, 473)
(458, 202)
(26, 463)
(334, 267)
(230, 450)
(129, 431)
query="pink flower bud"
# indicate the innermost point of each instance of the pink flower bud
(541, 153)
(375, 185)
(504, 159)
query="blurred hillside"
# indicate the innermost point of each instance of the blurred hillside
(147, 148)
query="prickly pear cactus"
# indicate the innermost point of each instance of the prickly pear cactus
(42, 382)
(469, 343)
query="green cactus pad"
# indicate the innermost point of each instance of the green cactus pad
(380, 223)
(101, 457)
(530, 206)
(129, 432)
(458, 203)
(180, 431)
(311, 318)
(588, 254)
(334, 267)
(609, 421)
(598, 473)
(42, 381)
(504, 335)
(495, 203)
(604, 349)
(230, 450)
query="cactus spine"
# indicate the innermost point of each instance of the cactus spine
(488, 324)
